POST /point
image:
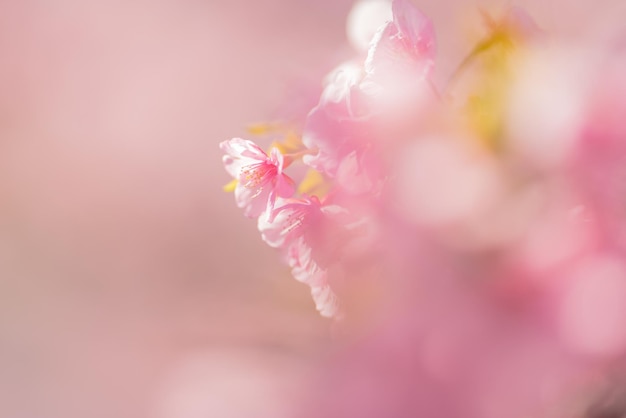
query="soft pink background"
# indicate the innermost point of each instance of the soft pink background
(130, 286)
(120, 256)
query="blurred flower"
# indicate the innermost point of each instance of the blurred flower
(469, 240)
(365, 17)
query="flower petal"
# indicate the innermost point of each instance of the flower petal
(253, 201)
(239, 153)
(326, 302)
(415, 27)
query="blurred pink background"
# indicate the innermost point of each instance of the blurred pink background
(130, 285)
(121, 259)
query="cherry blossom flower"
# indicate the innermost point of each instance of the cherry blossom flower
(339, 122)
(473, 239)
(359, 98)
(260, 178)
(408, 39)
(302, 228)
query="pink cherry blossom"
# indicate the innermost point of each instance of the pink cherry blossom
(306, 270)
(288, 229)
(290, 221)
(260, 178)
(473, 241)
(301, 228)
(405, 46)
(359, 99)
(309, 219)
(339, 122)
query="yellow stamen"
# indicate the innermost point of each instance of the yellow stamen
(264, 128)
(314, 183)
(230, 186)
(292, 144)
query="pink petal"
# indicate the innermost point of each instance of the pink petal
(289, 221)
(285, 186)
(415, 27)
(304, 268)
(326, 301)
(334, 133)
(240, 153)
(233, 166)
(273, 227)
(238, 147)
(403, 47)
(357, 173)
(253, 201)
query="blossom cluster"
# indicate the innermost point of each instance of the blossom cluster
(481, 221)
(339, 145)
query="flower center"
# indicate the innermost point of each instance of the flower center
(256, 175)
